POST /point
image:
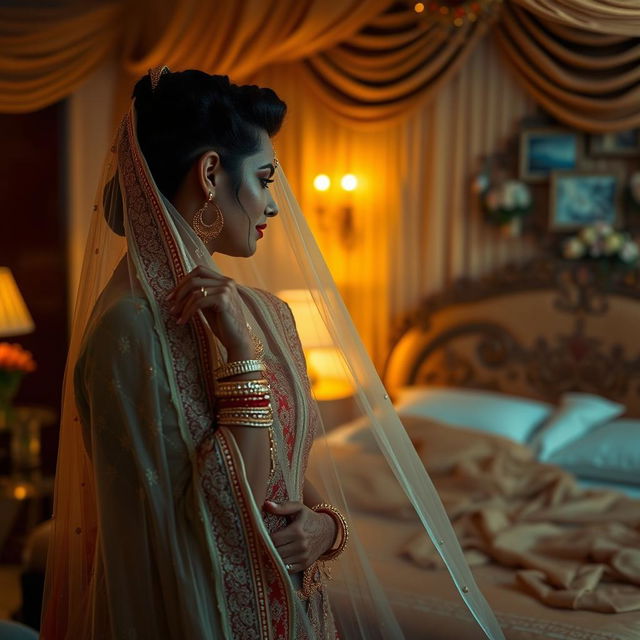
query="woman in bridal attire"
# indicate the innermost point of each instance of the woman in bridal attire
(182, 508)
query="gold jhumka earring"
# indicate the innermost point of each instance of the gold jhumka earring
(208, 231)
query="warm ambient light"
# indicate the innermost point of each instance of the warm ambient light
(311, 327)
(327, 369)
(418, 7)
(321, 182)
(349, 182)
(20, 492)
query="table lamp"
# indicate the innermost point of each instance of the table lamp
(326, 367)
(15, 319)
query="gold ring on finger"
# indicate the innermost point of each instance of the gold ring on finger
(204, 292)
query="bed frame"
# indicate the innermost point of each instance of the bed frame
(536, 330)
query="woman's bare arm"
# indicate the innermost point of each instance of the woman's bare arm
(254, 443)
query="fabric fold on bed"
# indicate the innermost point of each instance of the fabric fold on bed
(574, 548)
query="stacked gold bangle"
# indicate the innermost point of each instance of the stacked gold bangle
(245, 403)
(238, 367)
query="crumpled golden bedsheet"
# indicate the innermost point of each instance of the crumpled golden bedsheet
(572, 548)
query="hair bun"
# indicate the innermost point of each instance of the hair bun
(192, 110)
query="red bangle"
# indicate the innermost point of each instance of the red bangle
(244, 402)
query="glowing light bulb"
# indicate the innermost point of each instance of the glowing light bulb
(418, 7)
(349, 182)
(20, 492)
(321, 182)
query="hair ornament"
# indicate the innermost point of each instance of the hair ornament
(155, 74)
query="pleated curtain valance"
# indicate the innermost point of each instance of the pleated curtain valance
(371, 63)
(612, 17)
(589, 80)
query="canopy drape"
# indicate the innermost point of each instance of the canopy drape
(370, 63)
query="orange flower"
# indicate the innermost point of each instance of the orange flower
(14, 358)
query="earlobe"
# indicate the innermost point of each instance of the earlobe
(208, 167)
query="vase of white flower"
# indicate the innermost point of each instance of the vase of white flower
(600, 241)
(505, 203)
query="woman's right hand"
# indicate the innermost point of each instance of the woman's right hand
(221, 306)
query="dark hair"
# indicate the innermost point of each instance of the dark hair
(190, 112)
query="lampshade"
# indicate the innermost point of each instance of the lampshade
(311, 329)
(15, 319)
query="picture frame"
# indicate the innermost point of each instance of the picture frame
(618, 143)
(543, 150)
(581, 198)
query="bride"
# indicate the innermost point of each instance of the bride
(182, 506)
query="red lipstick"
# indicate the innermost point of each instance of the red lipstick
(260, 228)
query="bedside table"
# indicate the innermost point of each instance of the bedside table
(26, 493)
(336, 402)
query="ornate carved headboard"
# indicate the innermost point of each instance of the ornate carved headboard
(536, 330)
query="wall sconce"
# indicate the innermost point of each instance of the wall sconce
(337, 218)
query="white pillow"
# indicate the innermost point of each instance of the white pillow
(609, 452)
(579, 413)
(489, 411)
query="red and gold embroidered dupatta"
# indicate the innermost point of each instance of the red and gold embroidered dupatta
(156, 533)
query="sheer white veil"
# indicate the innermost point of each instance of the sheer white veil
(287, 258)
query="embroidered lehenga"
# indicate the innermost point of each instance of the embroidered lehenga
(156, 532)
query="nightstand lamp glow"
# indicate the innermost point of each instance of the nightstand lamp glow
(15, 319)
(327, 370)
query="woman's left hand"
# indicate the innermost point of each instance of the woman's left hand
(307, 536)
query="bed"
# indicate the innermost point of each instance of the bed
(535, 371)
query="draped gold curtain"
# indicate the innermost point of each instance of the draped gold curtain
(240, 37)
(386, 72)
(371, 63)
(614, 17)
(388, 91)
(47, 53)
(589, 80)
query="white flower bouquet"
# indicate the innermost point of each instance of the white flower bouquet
(503, 201)
(602, 241)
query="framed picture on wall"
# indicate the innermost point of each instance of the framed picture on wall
(580, 198)
(545, 150)
(620, 143)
